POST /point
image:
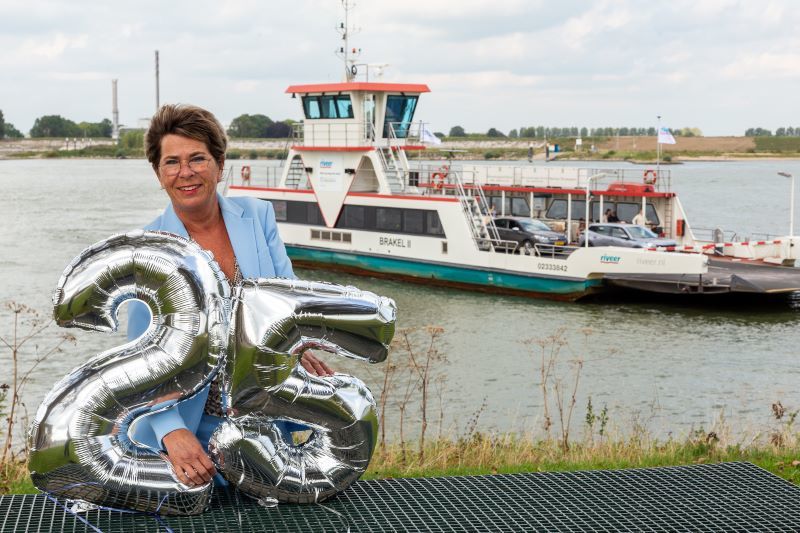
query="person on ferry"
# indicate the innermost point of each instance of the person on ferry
(186, 147)
(639, 219)
(612, 216)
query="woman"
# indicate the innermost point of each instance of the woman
(186, 147)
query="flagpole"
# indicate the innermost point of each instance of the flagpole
(658, 148)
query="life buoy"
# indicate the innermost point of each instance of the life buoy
(438, 180)
(246, 173)
(650, 177)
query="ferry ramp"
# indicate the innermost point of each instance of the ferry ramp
(724, 277)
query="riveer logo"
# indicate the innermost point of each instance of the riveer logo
(326, 164)
(609, 259)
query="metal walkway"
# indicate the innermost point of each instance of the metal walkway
(722, 497)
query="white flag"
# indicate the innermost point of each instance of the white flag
(427, 137)
(664, 136)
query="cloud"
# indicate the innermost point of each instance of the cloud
(764, 66)
(41, 50)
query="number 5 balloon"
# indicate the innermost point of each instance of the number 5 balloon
(80, 444)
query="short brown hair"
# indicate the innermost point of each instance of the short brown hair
(189, 121)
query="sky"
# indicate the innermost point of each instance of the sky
(718, 65)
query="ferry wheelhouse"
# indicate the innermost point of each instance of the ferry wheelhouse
(352, 196)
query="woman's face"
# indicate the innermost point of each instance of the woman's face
(188, 173)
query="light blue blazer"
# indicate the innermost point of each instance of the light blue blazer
(260, 252)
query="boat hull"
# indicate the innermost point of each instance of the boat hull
(442, 274)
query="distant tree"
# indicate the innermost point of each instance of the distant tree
(439, 134)
(2, 125)
(584, 132)
(96, 129)
(790, 131)
(278, 130)
(780, 132)
(55, 126)
(132, 139)
(250, 126)
(757, 132)
(11, 132)
(494, 133)
(457, 131)
(513, 134)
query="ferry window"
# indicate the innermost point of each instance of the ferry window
(313, 214)
(354, 216)
(311, 107)
(651, 215)
(399, 114)
(627, 210)
(434, 225)
(344, 107)
(280, 210)
(389, 219)
(558, 209)
(328, 107)
(412, 221)
(519, 207)
(303, 213)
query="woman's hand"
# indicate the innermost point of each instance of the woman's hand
(314, 366)
(189, 460)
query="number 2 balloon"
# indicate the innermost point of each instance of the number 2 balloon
(250, 338)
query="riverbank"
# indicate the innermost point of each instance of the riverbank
(481, 454)
(640, 150)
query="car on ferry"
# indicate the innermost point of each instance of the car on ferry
(625, 235)
(528, 232)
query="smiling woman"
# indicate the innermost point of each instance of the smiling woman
(186, 148)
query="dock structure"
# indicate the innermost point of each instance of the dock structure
(720, 497)
(724, 277)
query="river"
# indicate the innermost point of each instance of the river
(667, 367)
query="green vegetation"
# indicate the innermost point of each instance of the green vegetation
(780, 145)
(511, 453)
(105, 151)
(260, 127)
(58, 126)
(7, 130)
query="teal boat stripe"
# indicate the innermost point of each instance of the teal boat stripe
(443, 271)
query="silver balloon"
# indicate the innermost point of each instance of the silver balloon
(80, 443)
(274, 322)
(80, 448)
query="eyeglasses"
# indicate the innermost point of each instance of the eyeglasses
(172, 166)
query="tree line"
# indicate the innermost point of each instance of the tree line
(544, 132)
(780, 132)
(7, 129)
(257, 126)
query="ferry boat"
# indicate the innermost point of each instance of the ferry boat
(351, 196)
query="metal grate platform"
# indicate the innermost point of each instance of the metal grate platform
(723, 497)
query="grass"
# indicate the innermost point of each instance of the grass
(508, 453)
(781, 145)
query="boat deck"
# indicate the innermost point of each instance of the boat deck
(723, 277)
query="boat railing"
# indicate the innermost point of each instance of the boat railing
(353, 134)
(402, 133)
(537, 176)
(325, 134)
(720, 236)
(259, 176)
